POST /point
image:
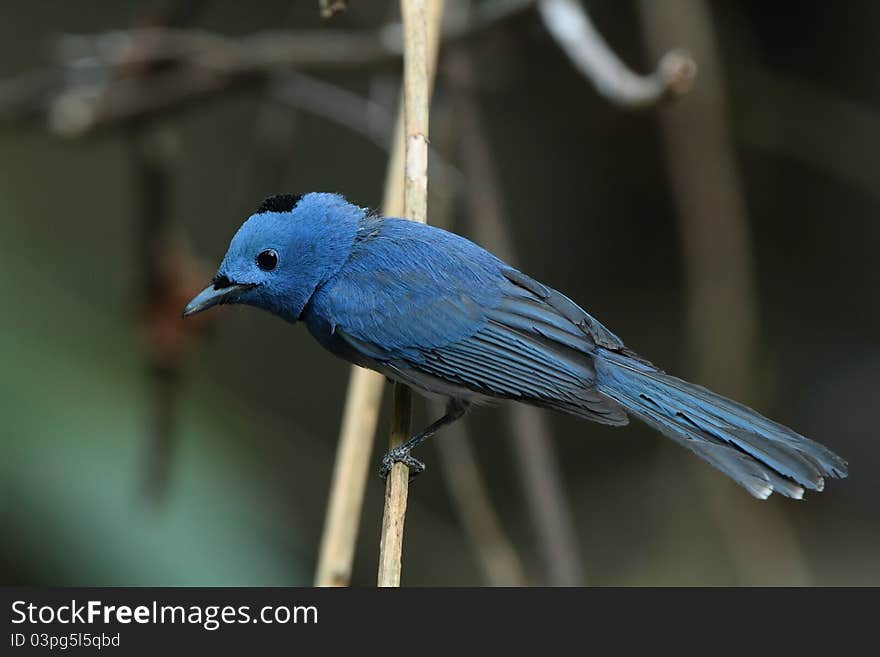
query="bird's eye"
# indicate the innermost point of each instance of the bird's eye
(267, 260)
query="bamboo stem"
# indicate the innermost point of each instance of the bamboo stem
(416, 101)
(396, 493)
(359, 421)
(416, 104)
(349, 483)
(361, 414)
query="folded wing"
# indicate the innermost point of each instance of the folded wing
(454, 319)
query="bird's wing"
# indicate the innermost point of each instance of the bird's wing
(450, 316)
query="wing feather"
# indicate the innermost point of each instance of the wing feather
(453, 312)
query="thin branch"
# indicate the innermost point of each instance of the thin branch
(95, 90)
(714, 231)
(357, 434)
(329, 8)
(151, 176)
(361, 413)
(352, 111)
(464, 478)
(569, 24)
(470, 496)
(416, 105)
(165, 271)
(467, 487)
(334, 103)
(549, 510)
(396, 492)
(417, 15)
(547, 501)
(350, 471)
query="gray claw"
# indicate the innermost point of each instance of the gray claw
(415, 466)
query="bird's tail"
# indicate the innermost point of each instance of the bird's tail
(759, 454)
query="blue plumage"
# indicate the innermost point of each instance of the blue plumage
(433, 310)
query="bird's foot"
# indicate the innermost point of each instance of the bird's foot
(400, 455)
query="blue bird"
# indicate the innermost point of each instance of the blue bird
(434, 311)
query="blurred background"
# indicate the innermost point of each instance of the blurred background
(729, 234)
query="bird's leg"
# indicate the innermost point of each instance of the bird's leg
(455, 409)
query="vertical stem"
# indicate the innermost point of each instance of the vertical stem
(467, 486)
(714, 231)
(470, 495)
(546, 498)
(534, 449)
(416, 100)
(151, 183)
(416, 103)
(361, 414)
(396, 493)
(359, 420)
(349, 478)
(148, 146)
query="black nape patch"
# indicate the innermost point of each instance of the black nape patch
(279, 203)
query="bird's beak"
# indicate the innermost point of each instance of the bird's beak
(211, 297)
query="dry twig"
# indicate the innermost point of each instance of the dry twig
(361, 413)
(417, 16)
(358, 431)
(467, 487)
(354, 112)
(548, 507)
(570, 25)
(329, 8)
(350, 472)
(94, 88)
(462, 474)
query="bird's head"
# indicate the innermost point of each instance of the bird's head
(282, 253)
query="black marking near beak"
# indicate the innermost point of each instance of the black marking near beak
(220, 291)
(221, 281)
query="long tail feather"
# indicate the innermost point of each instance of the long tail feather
(759, 454)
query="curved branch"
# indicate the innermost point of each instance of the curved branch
(569, 24)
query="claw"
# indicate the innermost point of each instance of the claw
(415, 466)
